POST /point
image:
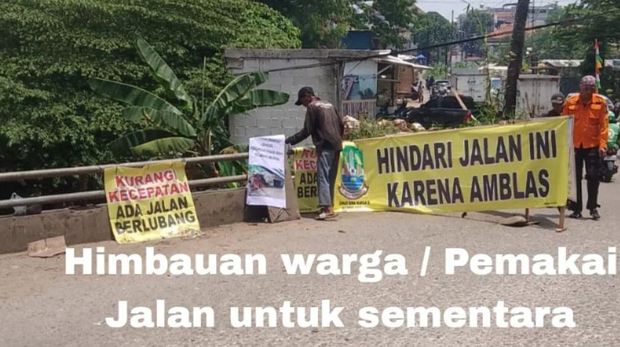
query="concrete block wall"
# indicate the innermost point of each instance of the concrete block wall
(289, 118)
(214, 207)
(286, 119)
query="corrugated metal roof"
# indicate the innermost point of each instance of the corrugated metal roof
(562, 63)
(568, 63)
(390, 59)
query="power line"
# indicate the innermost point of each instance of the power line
(450, 43)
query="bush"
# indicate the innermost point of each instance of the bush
(369, 128)
(49, 48)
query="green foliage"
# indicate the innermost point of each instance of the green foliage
(438, 71)
(369, 128)
(431, 29)
(323, 23)
(50, 48)
(556, 42)
(177, 132)
(487, 114)
(599, 21)
(233, 167)
(475, 23)
(388, 20)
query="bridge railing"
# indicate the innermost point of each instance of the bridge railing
(98, 169)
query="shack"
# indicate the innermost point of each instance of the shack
(350, 79)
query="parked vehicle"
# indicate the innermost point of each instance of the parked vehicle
(442, 111)
(440, 88)
(441, 83)
(400, 111)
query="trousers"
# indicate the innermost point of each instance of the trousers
(592, 160)
(326, 171)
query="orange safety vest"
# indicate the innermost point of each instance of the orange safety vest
(591, 124)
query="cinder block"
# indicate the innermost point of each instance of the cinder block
(274, 123)
(249, 120)
(254, 132)
(301, 81)
(238, 131)
(292, 123)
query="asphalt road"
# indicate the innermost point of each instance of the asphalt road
(41, 305)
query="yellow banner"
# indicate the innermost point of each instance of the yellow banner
(471, 169)
(150, 203)
(304, 169)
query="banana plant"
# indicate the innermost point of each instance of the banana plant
(175, 124)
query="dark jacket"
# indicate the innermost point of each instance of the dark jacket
(325, 126)
(552, 113)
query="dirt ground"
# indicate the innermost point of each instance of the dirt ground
(41, 305)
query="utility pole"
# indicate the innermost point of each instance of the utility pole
(451, 48)
(516, 58)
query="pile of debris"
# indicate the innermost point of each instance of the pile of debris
(353, 127)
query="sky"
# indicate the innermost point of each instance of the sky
(445, 7)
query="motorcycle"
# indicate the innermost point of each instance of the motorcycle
(399, 112)
(609, 167)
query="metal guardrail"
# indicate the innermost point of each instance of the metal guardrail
(86, 170)
(100, 194)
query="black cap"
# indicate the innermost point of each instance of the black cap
(557, 98)
(303, 92)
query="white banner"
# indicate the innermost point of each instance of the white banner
(266, 175)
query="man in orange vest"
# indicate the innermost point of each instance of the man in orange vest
(589, 140)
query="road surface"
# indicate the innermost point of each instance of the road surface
(41, 305)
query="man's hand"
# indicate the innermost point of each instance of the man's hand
(602, 152)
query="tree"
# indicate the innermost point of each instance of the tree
(50, 48)
(475, 23)
(593, 19)
(516, 57)
(431, 29)
(323, 23)
(387, 19)
(553, 42)
(598, 20)
(177, 130)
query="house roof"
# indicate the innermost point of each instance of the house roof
(562, 63)
(390, 59)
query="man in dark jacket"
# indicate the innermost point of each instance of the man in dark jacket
(326, 127)
(557, 104)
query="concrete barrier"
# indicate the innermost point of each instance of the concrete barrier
(214, 207)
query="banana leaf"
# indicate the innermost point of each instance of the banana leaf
(233, 167)
(235, 90)
(130, 95)
(136, 138)
(165, 146)
(163, 73)
(165, 119)
(259, 98)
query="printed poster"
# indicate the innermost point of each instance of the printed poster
(266, 175)
(150, 203)
(304, 172)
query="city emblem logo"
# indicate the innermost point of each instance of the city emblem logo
(352, 172)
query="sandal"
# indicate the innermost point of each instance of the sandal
(332, 215)
(326, 216)
(321, 216)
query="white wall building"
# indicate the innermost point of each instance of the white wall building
(346, 78)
